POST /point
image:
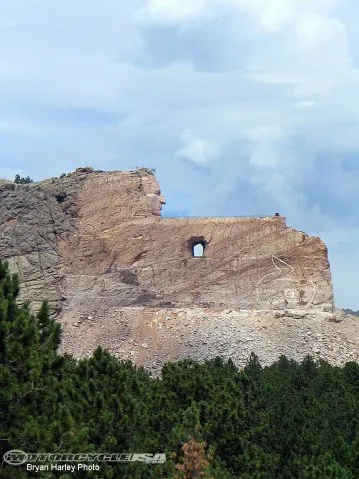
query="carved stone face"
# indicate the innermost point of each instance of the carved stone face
(153, 195)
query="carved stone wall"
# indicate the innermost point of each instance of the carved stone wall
(98, 236)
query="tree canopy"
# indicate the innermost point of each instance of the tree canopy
(212, 420)
(21, 180)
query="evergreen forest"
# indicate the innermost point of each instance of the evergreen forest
(211, 420)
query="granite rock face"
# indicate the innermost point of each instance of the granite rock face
(41, 222)
(96, 241)
(100, 235)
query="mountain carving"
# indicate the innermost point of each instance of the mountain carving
(94, 244)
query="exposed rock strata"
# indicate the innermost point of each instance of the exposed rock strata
(96, 241)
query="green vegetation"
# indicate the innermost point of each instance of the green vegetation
(21, 180)
(289, 420)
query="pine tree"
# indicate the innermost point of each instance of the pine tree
(31, 418)
(22, 180)
(195, 463)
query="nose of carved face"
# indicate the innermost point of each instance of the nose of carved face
(156, 201)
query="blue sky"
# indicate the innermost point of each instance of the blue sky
(242, 106)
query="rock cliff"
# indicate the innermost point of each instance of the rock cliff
(95, 245)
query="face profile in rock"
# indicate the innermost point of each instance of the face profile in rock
(153, 195)
(290, 291)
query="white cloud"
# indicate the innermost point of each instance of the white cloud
(294, 42)
(271, 15)
(197, 150)
(170, 11)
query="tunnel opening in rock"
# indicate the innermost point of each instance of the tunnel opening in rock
(197, 247)
(197, 250)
